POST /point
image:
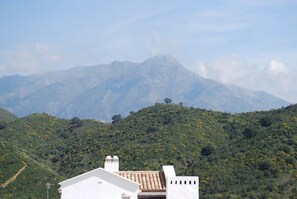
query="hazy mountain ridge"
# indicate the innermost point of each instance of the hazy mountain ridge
(120, 87)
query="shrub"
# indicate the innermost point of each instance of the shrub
(168, 119)
(151, 129)
(2, 127)
(290, 160)
(207, 150)
(265, 165)
(249, 133)
(265, 122)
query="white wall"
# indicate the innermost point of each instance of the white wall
(94, 188)
(182, 187)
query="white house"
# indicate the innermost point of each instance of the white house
(111, 183)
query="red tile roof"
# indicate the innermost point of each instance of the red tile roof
(150, 181)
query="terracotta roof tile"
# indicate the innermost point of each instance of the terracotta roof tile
(149, 180)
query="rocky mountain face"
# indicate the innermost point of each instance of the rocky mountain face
(101, 91)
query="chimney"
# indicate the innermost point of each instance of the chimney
(111, 164)
(169, 171)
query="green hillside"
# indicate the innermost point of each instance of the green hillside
(259, 160)
(251, 155)
(6, 116)
(30, 183)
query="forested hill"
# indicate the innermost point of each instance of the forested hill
(6, 116)
(251, 155)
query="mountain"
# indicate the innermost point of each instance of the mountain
(247, 155)
(120, 87)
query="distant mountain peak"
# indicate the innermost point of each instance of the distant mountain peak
(116, 63)
(163, 59)
(102, 91)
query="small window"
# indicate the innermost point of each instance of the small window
(194, 182)
(180, 182)
(171, 182)
(175, 182)
(185, 182)
(190, 182)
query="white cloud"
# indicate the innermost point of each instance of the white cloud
(201, 70)
(229, 69)
(28, 59)
(276, 68)
(280, 79)
(277, 78)
(157, 45)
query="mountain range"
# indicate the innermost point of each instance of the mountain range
(104, 90)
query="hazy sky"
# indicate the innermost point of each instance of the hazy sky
(249, 43)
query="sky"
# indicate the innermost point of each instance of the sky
(248, 43)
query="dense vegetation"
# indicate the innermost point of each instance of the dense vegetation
(250, 155)
(6, 116)
(259, 160)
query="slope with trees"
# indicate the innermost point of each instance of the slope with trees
(250, 155)
(6, 116)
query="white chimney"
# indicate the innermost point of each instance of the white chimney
(169, 171)
(111, 164)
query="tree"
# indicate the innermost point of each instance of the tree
(167, 100)
(116, 118)
(168, 119)
(76, 122)
(2, 127)
(265, 165)
(152, 129)
(207, 150)
(249, 133)
(265, 122)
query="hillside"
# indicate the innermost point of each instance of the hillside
(73, 146)
(30, 183)
(250, 155)
(258, 162)
(6, 116)
(101, 91)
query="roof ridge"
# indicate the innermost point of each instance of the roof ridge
(149, 180)
(139, 171)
